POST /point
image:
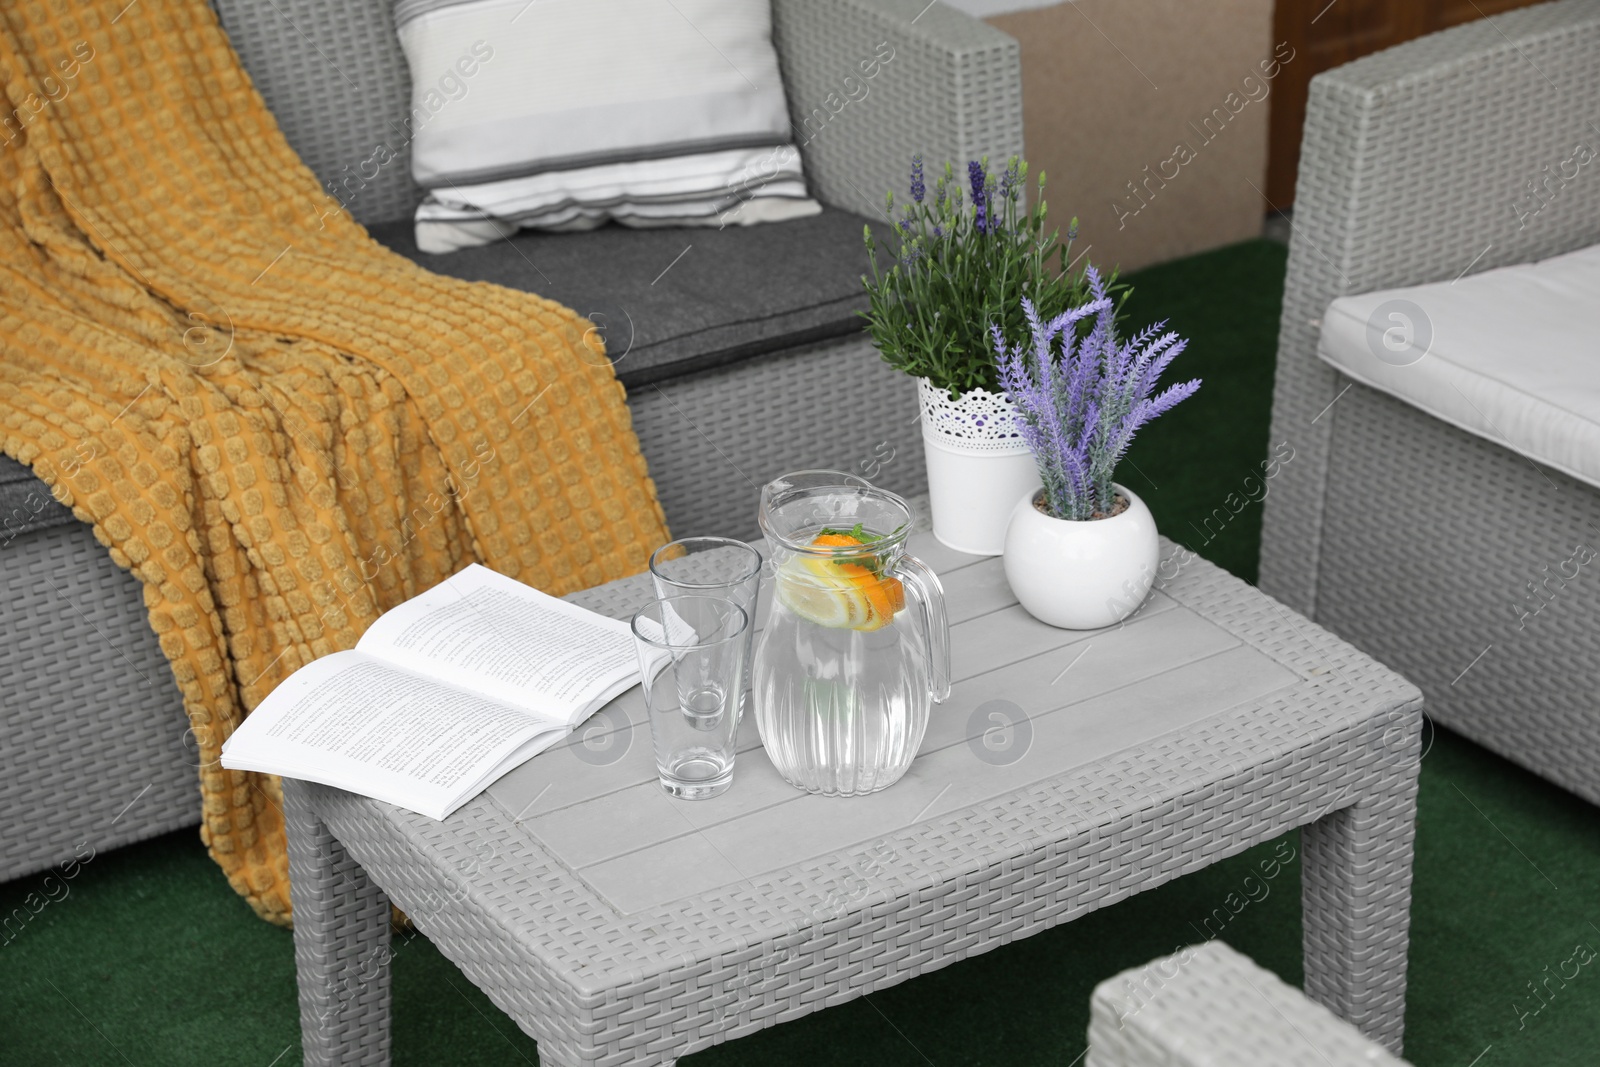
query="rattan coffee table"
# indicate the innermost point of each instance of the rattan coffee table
(1067, 771)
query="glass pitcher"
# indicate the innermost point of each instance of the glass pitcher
(856, 644)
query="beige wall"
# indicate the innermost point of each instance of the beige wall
(1111, 87)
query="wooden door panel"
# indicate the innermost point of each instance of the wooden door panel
(1442, 14)
(1329, 33)
(1343, 30)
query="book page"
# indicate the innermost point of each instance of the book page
(361, 724)
(482, 631)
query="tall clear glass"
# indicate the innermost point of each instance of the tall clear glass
(856, 646)
(717, 567)
(691, 657)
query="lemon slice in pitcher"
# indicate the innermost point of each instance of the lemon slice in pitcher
(839, 593)
(817, 598)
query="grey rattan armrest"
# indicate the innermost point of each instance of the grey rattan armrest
(873, 82)
(1417, 166)
(1209, 1005)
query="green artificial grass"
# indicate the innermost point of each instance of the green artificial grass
(1199, 467)
(147, 957)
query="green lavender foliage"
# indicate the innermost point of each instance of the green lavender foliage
(958, 261)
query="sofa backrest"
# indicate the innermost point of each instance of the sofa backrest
(333, 74)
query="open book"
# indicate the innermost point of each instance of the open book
(441, 696)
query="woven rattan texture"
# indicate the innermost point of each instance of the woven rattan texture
(121, 766)
(1337, 751)
(951, 91)
(1413, 166)
(26, 503)
(1440, 588)
(333, 894)
(713, 439)
(335, 78)
(1207, 1005)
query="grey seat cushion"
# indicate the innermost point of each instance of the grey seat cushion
(672, 301)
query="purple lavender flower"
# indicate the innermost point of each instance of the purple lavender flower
(1080, 400)
(978, 179)
(1009, 186)
(918, 189)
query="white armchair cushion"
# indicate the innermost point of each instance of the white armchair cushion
(1512, 355)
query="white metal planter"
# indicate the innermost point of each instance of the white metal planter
(978, 466)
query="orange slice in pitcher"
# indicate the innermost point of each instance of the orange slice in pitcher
(839, 593)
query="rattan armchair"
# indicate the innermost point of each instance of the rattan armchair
(1407, 536)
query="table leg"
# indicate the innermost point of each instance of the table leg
(1356, 898)
(341, 943)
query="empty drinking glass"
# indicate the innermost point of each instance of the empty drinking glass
(691, 656)
(712, 566)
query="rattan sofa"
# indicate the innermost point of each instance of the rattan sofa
(1407, 536)
(724, 396)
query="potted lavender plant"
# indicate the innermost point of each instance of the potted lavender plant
(963, 255)
(1081, 552)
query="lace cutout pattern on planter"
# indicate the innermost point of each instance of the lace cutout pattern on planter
(978, 421)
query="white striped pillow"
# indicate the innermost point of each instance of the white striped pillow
(564, 114)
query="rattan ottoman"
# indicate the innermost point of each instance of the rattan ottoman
(1067, 771)
(1207, 1005)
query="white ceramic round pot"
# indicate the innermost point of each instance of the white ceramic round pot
(977, 467)
(1081, 575)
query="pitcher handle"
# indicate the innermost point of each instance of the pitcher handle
(929, 593)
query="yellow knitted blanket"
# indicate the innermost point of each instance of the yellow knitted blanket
(280, 427)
